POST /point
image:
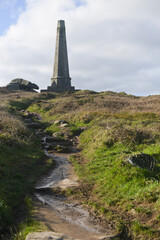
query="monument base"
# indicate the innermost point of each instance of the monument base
(58, 90)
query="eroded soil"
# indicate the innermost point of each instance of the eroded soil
(56, 211)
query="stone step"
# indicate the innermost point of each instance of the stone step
(47, 236)
(60, 236)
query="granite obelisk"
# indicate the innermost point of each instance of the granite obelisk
(61, 80)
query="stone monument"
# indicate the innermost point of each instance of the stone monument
(60, 80)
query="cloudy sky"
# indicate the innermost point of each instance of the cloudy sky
(112, 44)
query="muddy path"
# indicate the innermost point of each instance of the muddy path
(58, 212)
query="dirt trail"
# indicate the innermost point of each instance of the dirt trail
(56, 211)
(59, 224)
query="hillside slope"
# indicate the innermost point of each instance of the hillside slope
(113, 127)
(109, 128)
(22, 161)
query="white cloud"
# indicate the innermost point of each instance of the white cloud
(112, 44)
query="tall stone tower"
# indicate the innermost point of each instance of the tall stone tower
(61, 80)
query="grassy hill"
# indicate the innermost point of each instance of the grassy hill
(109, 128)
(22, 161)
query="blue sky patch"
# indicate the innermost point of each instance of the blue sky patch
(79, 2)
(9, 13)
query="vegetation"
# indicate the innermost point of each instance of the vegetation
(110, 128)
(22, 161)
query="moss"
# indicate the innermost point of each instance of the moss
(52, 129)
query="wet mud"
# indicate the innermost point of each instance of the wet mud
(56, 211)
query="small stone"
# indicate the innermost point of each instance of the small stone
(58, 136)
(28, 114)
(133, 211)
(64, 125)
(57, 122)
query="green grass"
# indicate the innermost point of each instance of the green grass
(22, 162)
(116, 183)
(52, 129)
(111, 127)
(110, 185)
(28, 226)
(21, 166)
(141, 230)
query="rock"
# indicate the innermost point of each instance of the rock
(58, 122)
(28, 114)
(143, 160)
(13, 86)
(40, 134)
(46, 236)
(64, 125)
(33, 114)
(83, 128)
(21, 84)
(67, 183)
(133, 211)
(50, 139)
(33, 125)
(48, 146)
(28, 120)
(62, 149)
(57, 135)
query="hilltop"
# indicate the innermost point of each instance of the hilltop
(108, 128)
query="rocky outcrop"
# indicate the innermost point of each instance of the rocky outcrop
(21, 84)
